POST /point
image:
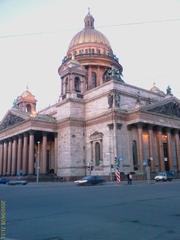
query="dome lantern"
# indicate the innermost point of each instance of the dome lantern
(26, 102)
(89, 20)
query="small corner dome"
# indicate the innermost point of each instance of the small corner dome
(27, 95)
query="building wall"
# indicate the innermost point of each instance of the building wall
(106, 147)
(70, 108)
(71, 151)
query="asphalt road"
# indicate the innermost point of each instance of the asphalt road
(63, 211)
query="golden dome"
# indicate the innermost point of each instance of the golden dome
(89, 35)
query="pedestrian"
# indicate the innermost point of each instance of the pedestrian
(129, 177)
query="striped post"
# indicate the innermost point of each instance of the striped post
(118, 177)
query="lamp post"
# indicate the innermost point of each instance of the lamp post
(37, 163)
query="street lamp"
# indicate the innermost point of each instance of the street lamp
(37, 163)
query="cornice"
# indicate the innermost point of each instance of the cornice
(69, 100)
(153, 119)
(27, 126)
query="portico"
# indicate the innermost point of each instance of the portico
(18, 153)
(159, 143)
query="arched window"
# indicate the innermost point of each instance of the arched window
(28, 108)
(96, 142)
(77, 84)
(97, 154)
(134, 153)
(94, 80)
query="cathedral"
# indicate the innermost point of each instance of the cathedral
(98, 121)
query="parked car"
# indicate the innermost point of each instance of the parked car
(4, 180)
(164, 176)
(17, 182)
(90, 180)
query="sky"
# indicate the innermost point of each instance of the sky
(35, 35)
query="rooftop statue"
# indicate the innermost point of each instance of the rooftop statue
(113, 73)
(168, 91)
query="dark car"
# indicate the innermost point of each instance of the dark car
(90, 180)
(4, 180)
(17, 182)
(164, 176)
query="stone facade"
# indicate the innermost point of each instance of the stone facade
(98, 118)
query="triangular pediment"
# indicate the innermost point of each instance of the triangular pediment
(10, 119)
(170, 107)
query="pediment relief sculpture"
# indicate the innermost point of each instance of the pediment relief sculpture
(171, 109)
(10, 120)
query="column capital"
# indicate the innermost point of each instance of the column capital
(159, 129)
(110, 126)
(44, 134)
(118, 125)
(25, 134)
(10, 139)
(19, 136)
(55, 134)
(167, 130)
(14, 138)
(176, 131)
(139, 125)
(31, 132)
(150, 127)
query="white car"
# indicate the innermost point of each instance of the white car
(163, 176)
